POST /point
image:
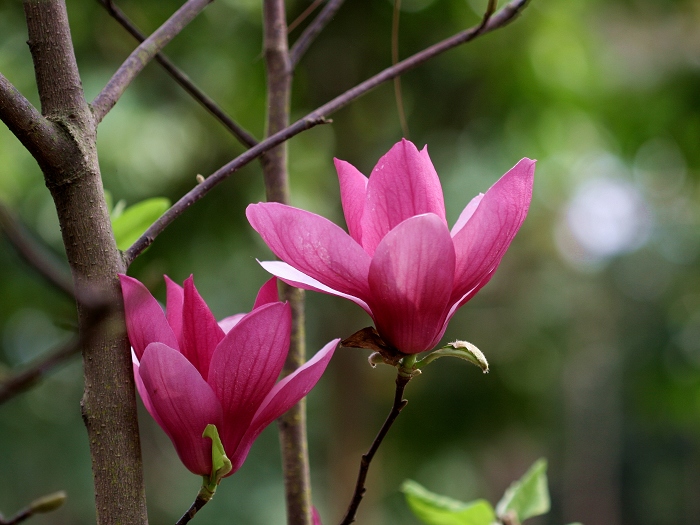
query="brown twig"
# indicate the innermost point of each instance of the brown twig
(402, 380)
(34, 254)
(316, 117)
(143, 54)
(96, 314)
(243, 136)
(303, 16)
(312, 31)
(199, 502)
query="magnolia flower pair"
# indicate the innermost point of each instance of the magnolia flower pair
(400, 263)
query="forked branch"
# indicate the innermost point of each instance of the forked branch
(243, 136)
(312, 31)
(318, 116)
(143, 54)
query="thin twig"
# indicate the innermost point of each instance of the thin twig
(42, 505)
(243, 136)
(35, 255)
(303, 16)
(199, 502)
(316, 117)
(312, 31)
(394, 60)
(402, 380)
(143, 54)
(97, 312)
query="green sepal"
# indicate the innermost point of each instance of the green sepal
(434, 509)
(220, 464)
(461, 350)
(529, 496)
(129, 223)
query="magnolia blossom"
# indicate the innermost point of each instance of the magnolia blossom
(192, 371)
(400, 261)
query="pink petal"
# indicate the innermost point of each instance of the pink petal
(268, 293)
(353, 190)
(466, 214)
(145, 321)
(227, 323)
(312, 245)
(411, 279)
(316, 517)
(484, 239)
(200, 331)
(173, 306)
(284, 396)
(144, 393)
(185, 404)
(294, 277)
(403, 184)
(246, 364)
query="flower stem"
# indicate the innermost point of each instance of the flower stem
(402, 380)
(202, 499)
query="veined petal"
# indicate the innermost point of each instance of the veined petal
(403, 184)
(227, 323)
(175, 297)
(353, 190)
(484, 239)
(145, 320)
(284, 396)
(200, 331)
(294, 277)
(312, 245)
(143, 392)
(268, 293)
(184, 402)
(246, 364)
(411, 279)
(466, 214)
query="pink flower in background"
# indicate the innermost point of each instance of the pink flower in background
(192, 371)
(400, 261)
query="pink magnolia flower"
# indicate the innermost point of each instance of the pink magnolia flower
(192, 372)
(400, 261)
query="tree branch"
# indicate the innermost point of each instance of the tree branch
(42, 138)
(243, 136)
(313, 30)
(95, 315)
(73, 178)
(34, 254)
(402, 380)
(143, 54)
(316, 117)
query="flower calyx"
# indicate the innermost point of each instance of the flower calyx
(220, 464)
(370, 339)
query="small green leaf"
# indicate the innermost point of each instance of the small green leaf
(49, 502)
(460, 349)
(529, 496)
(134, 220)
(435, 509)
(220, 464)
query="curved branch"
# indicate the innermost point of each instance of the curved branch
(34, 254)
(243, 136)
(143, 54)
(318, 116)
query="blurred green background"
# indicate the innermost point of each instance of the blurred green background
(591, 324)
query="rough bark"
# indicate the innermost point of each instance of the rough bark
(72, 175)
(292, 425)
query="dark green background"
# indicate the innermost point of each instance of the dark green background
(595, 352)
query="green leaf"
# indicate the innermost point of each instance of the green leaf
(460, 349)
(435, 509)
(134, 220)
(529, 496)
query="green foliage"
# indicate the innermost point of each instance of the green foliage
(525, 498)
(435, 509)
(129, 223)
(529, 496)
(220, 464)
